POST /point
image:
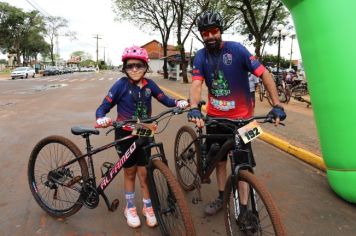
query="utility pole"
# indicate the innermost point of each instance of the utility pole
(104, 54)
(97, 49)
(291, 52)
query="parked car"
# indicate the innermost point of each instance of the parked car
(51, 70)
(23, 73)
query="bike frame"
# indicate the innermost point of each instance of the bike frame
(110, 175)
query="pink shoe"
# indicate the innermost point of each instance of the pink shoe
(151, 220)
(132, 218)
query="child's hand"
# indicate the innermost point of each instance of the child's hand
(104, 122)
(182, 104)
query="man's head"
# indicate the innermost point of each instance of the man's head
(210, 26)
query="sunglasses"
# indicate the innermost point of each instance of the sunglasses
(138, 66)
(207, 32)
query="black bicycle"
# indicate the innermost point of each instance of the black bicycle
(62, 179)
(194, 167)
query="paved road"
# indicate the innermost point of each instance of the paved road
(34, 108)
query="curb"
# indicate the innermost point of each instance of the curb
(300, 153)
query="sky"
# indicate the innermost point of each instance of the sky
(89, 18)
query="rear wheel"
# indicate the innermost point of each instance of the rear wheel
(262, 216)
(186, 157)
(168, 201)
(262, 91)
(56, 190)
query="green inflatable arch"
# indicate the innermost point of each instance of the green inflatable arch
(327, 35)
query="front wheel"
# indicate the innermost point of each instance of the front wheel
(186, 157)
(262, 216)
(168, 201)
(56, 190)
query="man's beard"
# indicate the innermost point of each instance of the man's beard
(213, 47)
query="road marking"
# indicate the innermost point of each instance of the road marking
(73, 80)
(92, 79)
(111, 78)
(101, 78)
(82, 79)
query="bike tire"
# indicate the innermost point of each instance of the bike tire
(282, 96)
(168, 201)
(55, 151)
(266, 219)
(186, 164)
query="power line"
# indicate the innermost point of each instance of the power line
(38, 8)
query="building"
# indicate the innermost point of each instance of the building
(155, 53)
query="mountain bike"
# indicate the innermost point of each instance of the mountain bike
(194, 166)
(62, 179)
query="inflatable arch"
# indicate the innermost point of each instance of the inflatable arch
(327, 36)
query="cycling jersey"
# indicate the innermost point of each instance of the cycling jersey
(131, 100)
(226, 76)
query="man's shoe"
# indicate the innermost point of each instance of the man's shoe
(151, 220)
(214, 207)
(132, 218)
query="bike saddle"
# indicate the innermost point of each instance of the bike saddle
(77, 130)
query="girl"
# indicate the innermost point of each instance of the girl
(132, 96)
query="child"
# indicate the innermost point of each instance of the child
(132, 95)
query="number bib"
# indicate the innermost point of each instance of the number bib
(145, 130)
(250, 131)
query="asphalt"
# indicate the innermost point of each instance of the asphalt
(298, 136)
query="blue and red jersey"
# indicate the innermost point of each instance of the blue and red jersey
(132, 101)
(226, 76)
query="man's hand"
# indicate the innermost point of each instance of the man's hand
(278, 114)
(195, 116)
(104, 122)
(182, 104)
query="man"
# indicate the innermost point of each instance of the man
(253, 82)
(224, 67)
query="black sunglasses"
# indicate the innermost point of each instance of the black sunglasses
(138, 66)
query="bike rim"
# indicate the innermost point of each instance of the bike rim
(186, 161)
(259, 222)
(168, 210)
(59, 198)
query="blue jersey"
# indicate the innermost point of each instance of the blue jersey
(131, 100)
(226, 76)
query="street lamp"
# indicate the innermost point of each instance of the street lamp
(280, 33)
(291, 51)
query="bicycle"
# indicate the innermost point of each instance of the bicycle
(193, 168)
(62, 179)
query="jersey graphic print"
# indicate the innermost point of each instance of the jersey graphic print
(227, 58)
(219, 85)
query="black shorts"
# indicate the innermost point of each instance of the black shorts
(137, 157)
(242, 156)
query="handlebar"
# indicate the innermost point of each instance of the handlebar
(119, 124)
(237, 122)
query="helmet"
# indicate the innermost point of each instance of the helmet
(135, 52)
(210, 19)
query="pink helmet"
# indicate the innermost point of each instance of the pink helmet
(135, 52)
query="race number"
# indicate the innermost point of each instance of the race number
(250, 131)
(144, 130)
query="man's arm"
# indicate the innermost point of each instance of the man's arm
(270, 86)
(195, 92)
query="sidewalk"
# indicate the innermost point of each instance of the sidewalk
(298, 137)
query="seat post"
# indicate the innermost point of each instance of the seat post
(87, 141)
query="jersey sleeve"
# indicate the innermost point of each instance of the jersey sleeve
(109, 101)
(198, 66)
(253, 65)
(161, 96)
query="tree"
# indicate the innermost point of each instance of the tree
(57, 26)
(272, 59)
(83, 55)
(257, 17)
(149, 15)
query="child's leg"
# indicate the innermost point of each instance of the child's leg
(129, 185)
(147, 210)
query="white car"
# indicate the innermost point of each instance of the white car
(23, 73)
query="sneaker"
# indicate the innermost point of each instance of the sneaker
(132, 218)
(214, 207)
(151, 220)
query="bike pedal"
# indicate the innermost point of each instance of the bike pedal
(105, 167)
(114, 205)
